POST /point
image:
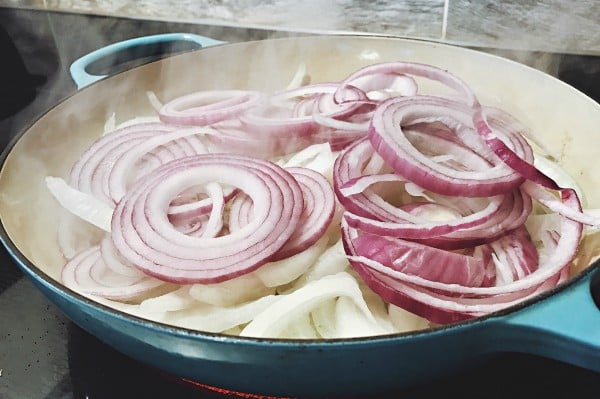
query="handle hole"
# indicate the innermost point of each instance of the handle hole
(124, 59)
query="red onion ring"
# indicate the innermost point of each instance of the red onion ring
(424, 297)
(319, 207)
(387, 137)
(87, 273)
(143, 235)
(207, 107)
(407, 69)
(125, 151)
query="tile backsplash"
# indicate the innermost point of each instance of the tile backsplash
(545, 25)
(539, 25)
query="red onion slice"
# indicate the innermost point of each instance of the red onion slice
(391, 143)
(421, 260)
(384, 85)
(207, 107)
(119, 176)
(189, 206)
(144, 236)
(501, 212)
(88, 274)
(424, 297)
(291, 113)
(132, 151)
(96, 160)
(319, 207)
(408, 69)
(527, 169)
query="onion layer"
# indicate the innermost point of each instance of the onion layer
(444, 214)
(144, 236)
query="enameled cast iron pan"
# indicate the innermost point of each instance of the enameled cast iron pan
(563, 324)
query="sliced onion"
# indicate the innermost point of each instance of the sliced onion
(423, 296)
(115, 262)
(409, 69)
(274, 117)
(194, 202)
(323, 319)
(351, 321)
(87, 273)
(319, 207)
(332, 261)
(95, 160)
(75, 235)
(436, 195)
(231, 292)
(387, 137)
(405, 321)
(207, 107)
(284, 271)
(170, 302)
(273, 320)
(126, 160)
(144, 236)
(83, 205)
(219, 319)
(137, 149)
(421, 260)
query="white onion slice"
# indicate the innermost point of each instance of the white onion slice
(170, 302)
(301, 328)
(75, 235)
(324, 320)
(404, 321)
(231, 292)
(332, 261)
(218, 319)
(274, 320)
(274, 274)
(351, 321)
(80, 204)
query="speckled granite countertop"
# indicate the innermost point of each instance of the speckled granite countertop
(534, 25)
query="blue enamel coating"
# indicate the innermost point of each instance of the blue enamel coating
(78, 68)
(565, 326)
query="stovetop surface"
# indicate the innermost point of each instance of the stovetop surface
(45, 356)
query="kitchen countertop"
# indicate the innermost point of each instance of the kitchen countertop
(531, 25)
(45, 356)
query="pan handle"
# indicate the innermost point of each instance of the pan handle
(82, 78)
(564, 326)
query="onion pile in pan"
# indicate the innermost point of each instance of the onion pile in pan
(353, 208)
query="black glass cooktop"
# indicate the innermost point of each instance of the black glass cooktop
(45, 356)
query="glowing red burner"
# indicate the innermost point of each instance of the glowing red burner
(230, 393)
